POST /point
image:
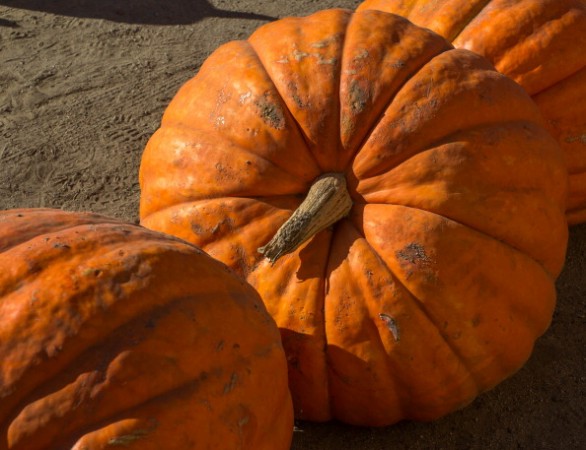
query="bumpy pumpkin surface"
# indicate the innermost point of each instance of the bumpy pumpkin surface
(114, 336)
(539, 44)
(438, 282)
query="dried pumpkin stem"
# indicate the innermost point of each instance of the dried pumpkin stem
(327, 202)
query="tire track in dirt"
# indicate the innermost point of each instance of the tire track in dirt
(91, 98)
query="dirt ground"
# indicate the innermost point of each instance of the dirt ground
(84, 83)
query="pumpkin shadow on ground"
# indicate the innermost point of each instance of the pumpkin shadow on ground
(153, 12)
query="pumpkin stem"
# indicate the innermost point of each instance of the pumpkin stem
(327, 202)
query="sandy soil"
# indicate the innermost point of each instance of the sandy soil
(84, 84)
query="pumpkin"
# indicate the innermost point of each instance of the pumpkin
(539, 44)
(397, 203)
(116, 336)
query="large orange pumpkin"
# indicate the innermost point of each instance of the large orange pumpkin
(440, 278)
(541, 44)
(112, 336)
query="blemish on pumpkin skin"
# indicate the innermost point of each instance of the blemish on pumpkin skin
(270, 113)
(391, 325)
(580, 138)
(227, 223)
(90, 271)
(244, 97)
(292, 88)
(327, 41)
(413, 258)
(223, 97)
(220, 168)
(220, 121)
(329, 61)
(362, 55)
(197, 228)
(127, 439)
(298, 55)
(397, 64)
(413, 253)
(347, 125)
(358, 62)
(298, 101)
(358, 98)
(228, 387)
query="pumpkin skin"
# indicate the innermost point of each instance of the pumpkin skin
(539, 44)
(114, 335)
(437, 284)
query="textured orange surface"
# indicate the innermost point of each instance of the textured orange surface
(539, 44)
(113, 335)
(437, 284)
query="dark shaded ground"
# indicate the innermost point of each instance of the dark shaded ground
(84, 84)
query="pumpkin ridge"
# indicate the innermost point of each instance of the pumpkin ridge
(545, 88)
(179, 391)
(116, 346)
(445, 139)
(189, 222)
(538, 22)
(79, 295)
(384, 105)
(389, 363)
(225, 175)
(278, 92)
(25, 233)
(342, 15)
(538, 185)
(482, 76)
(467, 20)
(66, 374)
(62, 256)
(509, 245)
(174, 124)
(324, 322)
(421, 306)
(529, 316)
(117, 276)
(497, 58)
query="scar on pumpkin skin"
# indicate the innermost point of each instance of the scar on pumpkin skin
(292, 87)
(327, 41)
(358, 98)
(127, 439)
(270, 113)
(391, 325)
(579, 138)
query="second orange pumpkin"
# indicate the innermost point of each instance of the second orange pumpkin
(539, 44)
